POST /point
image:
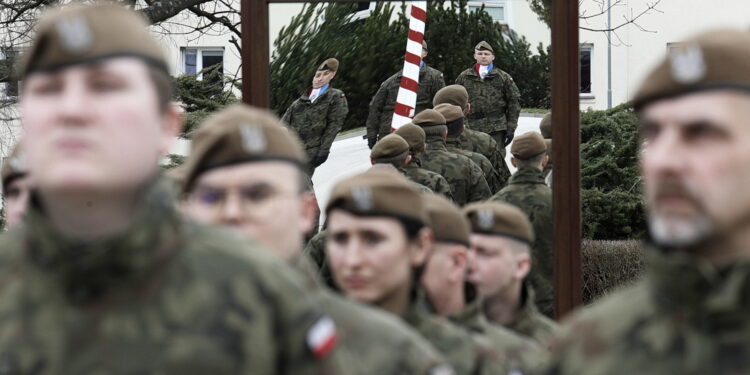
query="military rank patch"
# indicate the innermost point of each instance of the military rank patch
(322, 337)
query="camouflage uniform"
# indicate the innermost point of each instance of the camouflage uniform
(430, 179)
(318, 122)
(518, 350)
(381, 105)
(686, 316)
(528, 191)
(372, 341)
(466, 178)
(530, 322)
(494, 100)
(484, 144)
(166, 296)
(494, 181)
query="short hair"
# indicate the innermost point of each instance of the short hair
(455, 127)
(533, 161)
(397, 161)
(435, 130)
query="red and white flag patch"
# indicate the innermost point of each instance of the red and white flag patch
(322, 337)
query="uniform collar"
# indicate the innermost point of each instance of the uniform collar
(435, 143)
(527, 175)
(88, 270)
(323, 90)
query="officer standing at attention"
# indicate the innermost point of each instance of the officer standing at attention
(104, 275)
(689, 313)
(318, 115)
(245, 173)
(16, 186)
(466, 178)
(382, 104)
(470, 139)
(493, 96)
(527, 191)
(501, 236)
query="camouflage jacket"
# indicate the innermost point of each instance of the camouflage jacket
(435, 182)
(318, 122)
(166, 296)
(518, 351)
(371, 341)
(468, 354)
(484, 144)
(686, 316)
(381, 106)
(494, 100)
(530, 322)
(494, 181)
(465, 177)
(528, 191)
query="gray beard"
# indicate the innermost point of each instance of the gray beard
(679, 232)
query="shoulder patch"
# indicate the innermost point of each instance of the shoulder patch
(322, 337)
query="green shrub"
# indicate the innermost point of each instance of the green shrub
(608, 265)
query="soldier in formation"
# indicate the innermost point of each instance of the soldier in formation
(528, 191)
(318, 115)
(382, 104)
(104, 275)
(16, 186)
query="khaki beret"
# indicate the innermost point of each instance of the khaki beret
(446, 220)
(78, 34)
(499, 218)
(450, 112)
(428, 117)
(424, 46)
(14, 165)
(240, 134)
(330, 64)
(378, 192)
(484, 46)
(718, 59)
(545, 127)
(528, 145)
(452, 94)
(548, 145)
(413, 135)
(391, 145)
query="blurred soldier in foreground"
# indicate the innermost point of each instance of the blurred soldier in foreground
(245, 173)
(452, 296)
(104, 276)
(16, 186)
(528, 191)
(493, 96)
(470, 139)
(318, 115)
(394, 150)
(382, 104)
(466, 178)
(500, 242)
(689, 314)
(545, 127)
(377, 243)
(454, 121)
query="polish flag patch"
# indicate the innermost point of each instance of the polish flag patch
(322, 337)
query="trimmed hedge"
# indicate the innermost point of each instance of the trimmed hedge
(609, 265)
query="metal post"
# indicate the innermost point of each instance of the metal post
(565, 149)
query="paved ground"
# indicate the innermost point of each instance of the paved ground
(350, 155)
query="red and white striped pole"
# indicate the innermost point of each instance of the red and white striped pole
(406, 100)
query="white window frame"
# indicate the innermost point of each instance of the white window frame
(362, 14)
(198, 58)
(590, 48)
(494, 4)
(672, 45)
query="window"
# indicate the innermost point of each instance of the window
(585, 55)
(194, 60)
(496, 9)
(672, 46)
(8, 56)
